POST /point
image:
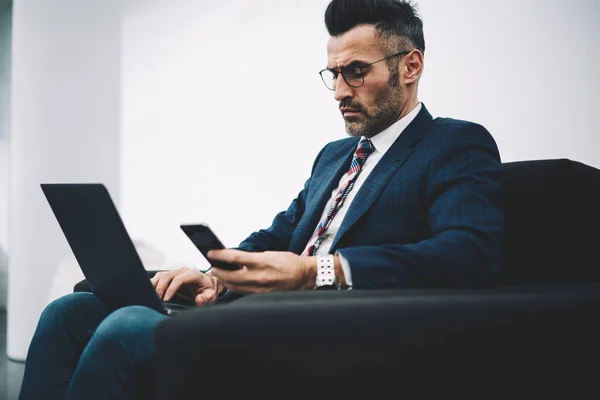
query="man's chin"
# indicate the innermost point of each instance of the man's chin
(354, 128)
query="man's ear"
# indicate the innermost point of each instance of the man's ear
(411, 68)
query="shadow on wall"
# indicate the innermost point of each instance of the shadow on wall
(3, 278)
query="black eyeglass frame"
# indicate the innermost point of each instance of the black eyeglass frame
(347, 67)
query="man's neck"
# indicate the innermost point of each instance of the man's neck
(410, 105)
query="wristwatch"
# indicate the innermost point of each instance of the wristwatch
(326, 273)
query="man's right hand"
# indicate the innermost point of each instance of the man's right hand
(191, 283)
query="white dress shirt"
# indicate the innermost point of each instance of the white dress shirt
(382, 142)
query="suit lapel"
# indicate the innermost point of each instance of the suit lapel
(392, 160)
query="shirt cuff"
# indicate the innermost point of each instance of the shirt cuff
(345, 270)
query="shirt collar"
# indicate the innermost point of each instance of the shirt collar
(384, 139)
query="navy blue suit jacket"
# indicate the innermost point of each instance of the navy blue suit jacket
(429, 214)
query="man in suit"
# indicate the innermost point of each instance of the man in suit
(406, 201)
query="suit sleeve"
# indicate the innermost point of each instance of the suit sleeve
(278, 236)
(466, 220)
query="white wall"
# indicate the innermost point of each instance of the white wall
(223, 109)
(5, 50)
(527, 70)
(65, 128)
(223, 114)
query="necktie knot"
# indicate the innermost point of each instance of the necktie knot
(364, 149)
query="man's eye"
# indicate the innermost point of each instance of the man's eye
(354, 72)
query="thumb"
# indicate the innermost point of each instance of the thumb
(204, 298)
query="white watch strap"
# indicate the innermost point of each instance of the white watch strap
(325, 271)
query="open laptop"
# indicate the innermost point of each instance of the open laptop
(94, 229)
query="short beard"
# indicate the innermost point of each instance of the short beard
(388, 106)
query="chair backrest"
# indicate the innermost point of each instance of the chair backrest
(552, 212)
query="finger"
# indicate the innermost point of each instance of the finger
(237, 257)
(238, 276)
(154, 280)
(177, 282)
(246, 280)
(206, 297)
(162, 285)
(165, 280)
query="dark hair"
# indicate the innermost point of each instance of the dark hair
(392, 18)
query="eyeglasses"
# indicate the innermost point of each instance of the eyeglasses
(353, 73)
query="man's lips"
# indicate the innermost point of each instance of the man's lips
(347, 110)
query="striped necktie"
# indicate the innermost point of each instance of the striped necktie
(364, 149)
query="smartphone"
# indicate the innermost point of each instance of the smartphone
(205, 239)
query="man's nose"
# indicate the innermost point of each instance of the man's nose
(342, 89)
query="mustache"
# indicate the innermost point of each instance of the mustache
(349, 104)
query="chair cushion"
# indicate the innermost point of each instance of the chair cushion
(552, 212)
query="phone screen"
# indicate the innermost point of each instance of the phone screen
(205, 240)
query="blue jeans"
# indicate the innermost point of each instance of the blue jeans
(82, 349)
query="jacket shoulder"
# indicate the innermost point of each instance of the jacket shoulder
(450, 129)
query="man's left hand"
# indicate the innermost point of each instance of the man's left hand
(264, 272)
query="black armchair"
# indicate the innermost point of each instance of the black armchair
(533, 337)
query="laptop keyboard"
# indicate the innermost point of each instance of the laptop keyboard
(173, 308)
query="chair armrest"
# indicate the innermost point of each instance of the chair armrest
(530, 342)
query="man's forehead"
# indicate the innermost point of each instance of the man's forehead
(359, 42)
